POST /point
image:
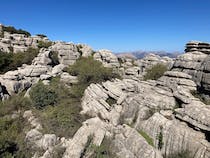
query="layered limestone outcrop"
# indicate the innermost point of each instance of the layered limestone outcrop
(18, 42)
(107, 58)
(122, 109)
(195, 62)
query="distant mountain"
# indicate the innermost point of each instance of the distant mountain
(142, 54)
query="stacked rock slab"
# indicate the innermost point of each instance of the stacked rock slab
(107, 58)
(68, 53)
(198, 46)
(18, 42)
(196, 62)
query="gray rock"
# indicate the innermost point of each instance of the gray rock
(107, 58)
(85, 50)
(128, 143)
(67, 78)
(196, 113)
(67, 53)
(176, 136)
(48, 141)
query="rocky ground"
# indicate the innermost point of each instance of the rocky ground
(146, 119)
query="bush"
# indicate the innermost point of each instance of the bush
(155, 72)
(5, 61)
(42, 95)
(42, 44)
(147, 137)
(15, 103)
(13, 30)
(64, 119)
(12, 131)
(11, 61)
(89, 71)
(54, 57)
(12, 138)
(41, 35)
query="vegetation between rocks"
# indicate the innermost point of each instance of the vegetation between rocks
(13, 30)
(89, 71)
(201, 96)
(13, 127)
(42, 44)
(41, 35)
(11, 61)
(147, 137)
(102, 151)
(57, 109)
(155, 72)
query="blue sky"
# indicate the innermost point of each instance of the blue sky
(118, 25)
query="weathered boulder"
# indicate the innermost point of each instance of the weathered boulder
(128, 143)
(196, 113)
(67, 78)
(107, 58)
(173, 136)
(68, 53)
(94, 128)
(85, 50)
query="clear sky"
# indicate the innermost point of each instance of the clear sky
(118, 25)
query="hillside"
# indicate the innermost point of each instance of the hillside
(66, 100)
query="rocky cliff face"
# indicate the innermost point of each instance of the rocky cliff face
(145, 119)
(196, 63)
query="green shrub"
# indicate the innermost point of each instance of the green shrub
(155, 72)
(64, 119)
(1, 34)
(42, 95)
(5, 61)
(41, 35)
(89, 71)
(15, 103)
(147, 137)
(54, 57)
(77, 90)
(13, 30)
(12, 138)
(42, 44)
(160, 138)
(11, 61)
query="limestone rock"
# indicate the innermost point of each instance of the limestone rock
(128, 143)
(92, 127)
(85, 50)
(67, 78)
(176, 136)
(197, 114)
(107, 58)
(67, 52)
(58, 69)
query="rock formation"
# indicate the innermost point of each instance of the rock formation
(10, 42)
(195, 62)
(143, 119)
